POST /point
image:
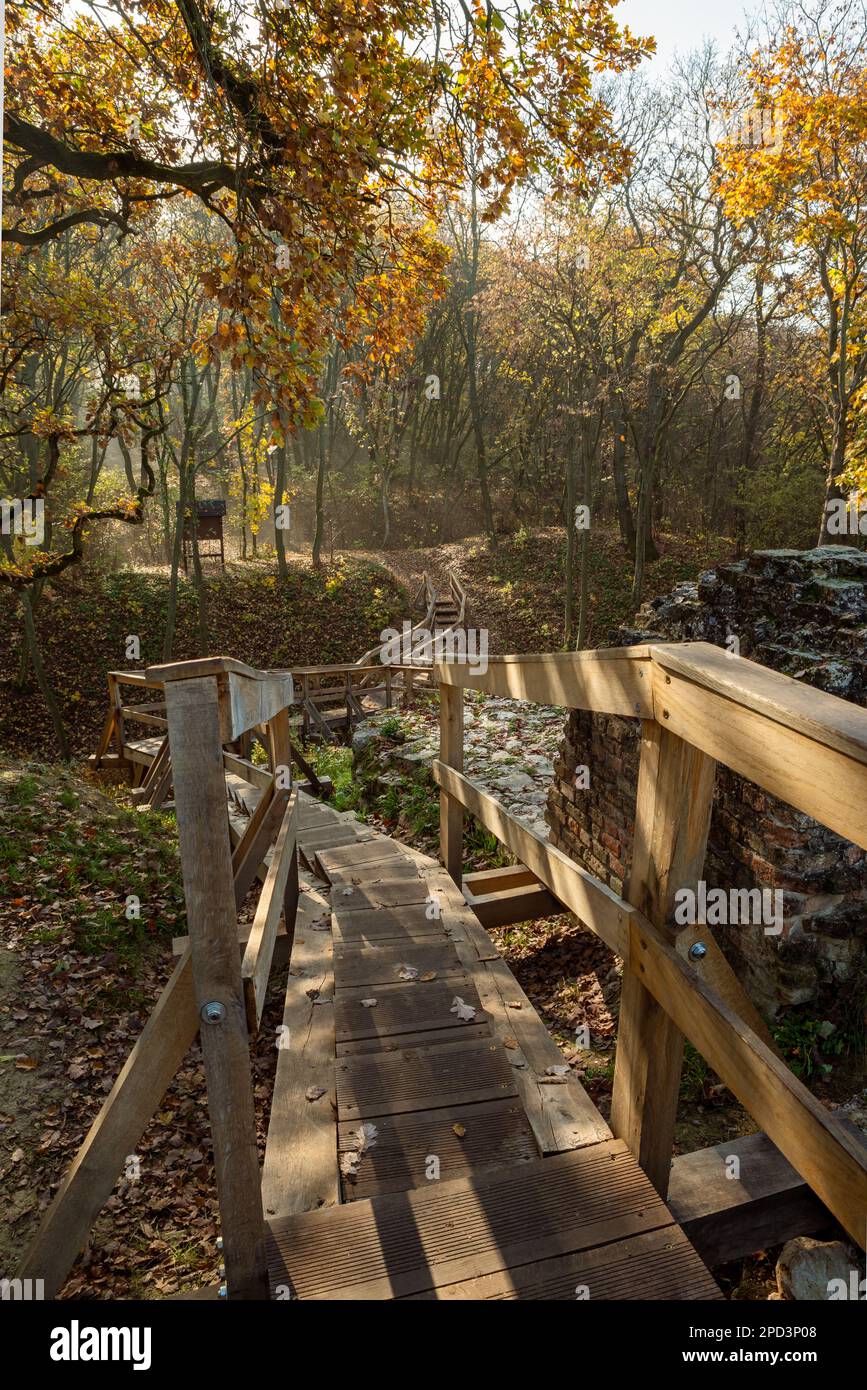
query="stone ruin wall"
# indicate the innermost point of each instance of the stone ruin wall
(800, 612)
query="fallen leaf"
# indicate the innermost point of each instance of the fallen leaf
(465, 1012)
(366, 1136)
(407, 972)
(459, 1131)
(369, 1003)
(428, 976)
(557, 1071)
(314, 1092)
(26, 1063)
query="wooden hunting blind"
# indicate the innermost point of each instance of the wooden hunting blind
(209, 513)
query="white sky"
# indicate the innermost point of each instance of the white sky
(682, 25)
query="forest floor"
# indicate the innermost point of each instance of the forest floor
(517, 591)
(84, 619)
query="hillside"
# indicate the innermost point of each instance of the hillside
(517, 591)
(83, 621)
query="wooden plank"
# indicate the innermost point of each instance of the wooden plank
(332, 836)
(401, 1009)
(727, 1217)
(206, 865)
(381, 966)
(806, 773)
(562, 1115)
(483, 881)
(379, 850)
(823, 718)
(815, 1143)
(147, 784)
(385, 892)
(716, 972)
(256, 841)
(300, 1170)
(421, 1078)
(672, 819)
(159, 787)
(469, 1139)
(656, 1265)
(592, 902)
(404, 1243)
(430, 1037)
(137, 714)
(613, 680)
(139, 678)
(256, 965)
(247, 696)
(397, 868)
(452, 756)
(385, 924)
(249, 772)
(141, 1084)
(508, 905)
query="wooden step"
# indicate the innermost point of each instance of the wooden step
(422, 1078)
(484, 1135)
(382, 965)
(399, 1010)
(519, 1228)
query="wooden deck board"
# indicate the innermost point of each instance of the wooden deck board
(374, 965)
(470, 1138)
(405, 1243)
(399, 1009)
(421, 1078)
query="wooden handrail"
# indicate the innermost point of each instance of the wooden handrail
(590, 899)
(815, 1143)
(698, 706)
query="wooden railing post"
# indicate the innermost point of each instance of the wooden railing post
(672, 818)
(119, 727)
(192, 707)
(452, 754)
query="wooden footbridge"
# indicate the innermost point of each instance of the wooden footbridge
(426, 1140)
(328, 701)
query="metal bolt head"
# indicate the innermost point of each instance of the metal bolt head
(224, 1292)
(697, 951)
(213, 1012)
(219, 1242)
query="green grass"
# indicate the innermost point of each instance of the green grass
(72, 860)
(332, 760)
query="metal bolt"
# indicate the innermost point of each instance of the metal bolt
(698, 951)
(224, 1292)
(214, 1012)
(219, 1242)
(222, 1271)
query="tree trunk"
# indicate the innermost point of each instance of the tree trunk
(172, 606)
(279, 539)
(42, 681)
(625, 519)
(584, 559)
(833, 490)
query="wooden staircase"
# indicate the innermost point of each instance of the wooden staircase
(470, 1166)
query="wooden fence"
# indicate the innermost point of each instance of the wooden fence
(697, 706)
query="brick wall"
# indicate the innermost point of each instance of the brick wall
(800, 611)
